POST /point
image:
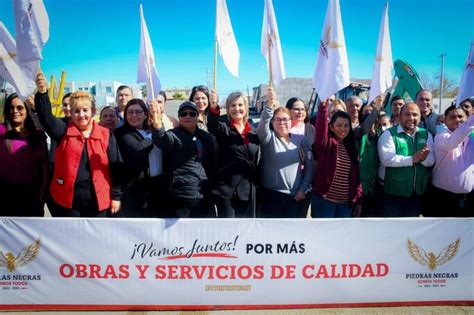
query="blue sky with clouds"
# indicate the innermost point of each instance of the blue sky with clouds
(99, 39)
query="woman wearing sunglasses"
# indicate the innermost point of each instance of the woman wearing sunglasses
(23, 160)
(189, 160)
(286, 164)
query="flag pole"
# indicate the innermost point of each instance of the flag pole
(270, 72)
(150, 80)
(214, 84)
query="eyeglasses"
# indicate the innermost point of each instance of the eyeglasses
(282, 120)
(18, 108)
(135, 112)
(186, 114)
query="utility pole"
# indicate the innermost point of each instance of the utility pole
(208, 78)
(441, 83)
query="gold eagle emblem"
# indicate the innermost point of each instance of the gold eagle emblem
(329, 41)
(26, 255)
(419, 255)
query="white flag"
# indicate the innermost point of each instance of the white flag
(383, 66)
(331, 73)
(7, 40)
(146, 61)
(13, 74)
(466, 87)
(270, 37)
(32, 29)
(25, 73)
(228, 49)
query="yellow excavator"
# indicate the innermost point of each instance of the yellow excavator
(56, 100)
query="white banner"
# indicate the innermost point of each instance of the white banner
(115, 264)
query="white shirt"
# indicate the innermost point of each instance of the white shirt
(389, 158)
(454, 154)
(298, 131)
(155, 157)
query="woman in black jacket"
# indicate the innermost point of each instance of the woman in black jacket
(142, 160)
(189, 159)
(238, 157)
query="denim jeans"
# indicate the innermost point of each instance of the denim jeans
(322, 208)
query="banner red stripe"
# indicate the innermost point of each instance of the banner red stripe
(71, 307)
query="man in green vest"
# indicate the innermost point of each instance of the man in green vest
(406, 157)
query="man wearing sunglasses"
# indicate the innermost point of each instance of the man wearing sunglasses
(189, 159)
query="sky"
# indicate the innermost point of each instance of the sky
(97, 40)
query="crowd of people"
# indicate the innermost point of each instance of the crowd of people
(355, 160)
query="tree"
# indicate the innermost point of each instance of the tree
(431, 83)
(178, 96)
(143, 89)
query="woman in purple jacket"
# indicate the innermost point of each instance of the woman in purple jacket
(336, 183)
(23, 162)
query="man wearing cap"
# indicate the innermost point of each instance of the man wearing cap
(406, 155)
(189, 159)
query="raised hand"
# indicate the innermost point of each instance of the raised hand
(41, 83)
(378, 101)
(272, 98)
(155, 114)
(214, 99)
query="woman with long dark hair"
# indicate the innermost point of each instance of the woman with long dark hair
(201, 96)
(142, 161)
(23, 160)
(336, 183)
(300, 119)
(301, 127)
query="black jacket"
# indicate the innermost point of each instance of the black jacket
(237, 165)
(135, 150)
(189, 172)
